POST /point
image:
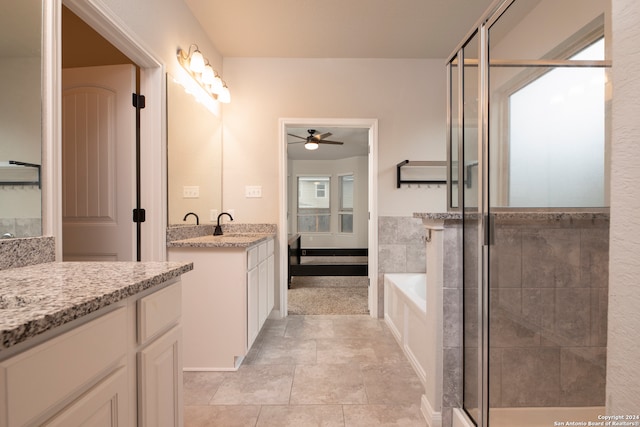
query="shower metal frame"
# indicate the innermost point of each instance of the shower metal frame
(481, 28)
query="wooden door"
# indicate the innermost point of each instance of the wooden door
(98, 163)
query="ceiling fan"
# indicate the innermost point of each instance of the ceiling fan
(311, 142)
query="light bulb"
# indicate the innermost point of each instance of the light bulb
(217, 85)
(208, 76)
(225, 95)
(197, 62)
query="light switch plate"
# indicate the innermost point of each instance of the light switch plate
(253, 191)
(190, 192)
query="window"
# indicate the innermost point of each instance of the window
(321, 190)
(557, 137)
(345, 213)
(314, 208)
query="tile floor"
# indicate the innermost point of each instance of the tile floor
(311, 371)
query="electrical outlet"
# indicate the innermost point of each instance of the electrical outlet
(253, 191)
(190, 192)
(213, 215)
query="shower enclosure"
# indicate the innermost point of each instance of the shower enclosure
(528, 113)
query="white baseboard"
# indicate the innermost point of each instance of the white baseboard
(433, 418)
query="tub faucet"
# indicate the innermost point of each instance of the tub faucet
(218, 229)
(191, 213)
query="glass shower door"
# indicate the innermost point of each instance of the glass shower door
(471, 228)
(546, 158)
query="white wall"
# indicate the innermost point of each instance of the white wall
(623, 367)
(406, 96)
(164, 27)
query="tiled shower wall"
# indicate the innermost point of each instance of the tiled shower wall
(401, 249)
(21, 227)
(549, 299)
(548, 319)
(452, 320)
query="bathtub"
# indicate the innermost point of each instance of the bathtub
(405, 313)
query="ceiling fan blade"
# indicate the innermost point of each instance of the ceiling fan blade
(296, 136)
(324, 141)
(297, 142)
(322, 135)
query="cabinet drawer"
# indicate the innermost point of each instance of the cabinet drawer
(45, 375)
(159, 311)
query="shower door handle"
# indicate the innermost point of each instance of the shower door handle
(488, 225)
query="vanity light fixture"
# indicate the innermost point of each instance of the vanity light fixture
(198, 67)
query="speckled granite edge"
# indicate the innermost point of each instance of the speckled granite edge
(438, 216)
(602, 215)
(224, 241)
(62, 292)
(26, 251)
(184, 232)
(181, 232)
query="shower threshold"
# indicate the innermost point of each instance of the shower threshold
(536, 417)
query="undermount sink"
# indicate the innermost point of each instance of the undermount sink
(18, 301)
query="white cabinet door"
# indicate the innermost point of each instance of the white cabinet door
(263, 283)
(270, 283)
(160, 381)
(252, 305)
(105, 405)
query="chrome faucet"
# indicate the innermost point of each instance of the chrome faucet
(194, 214)
(218, 229)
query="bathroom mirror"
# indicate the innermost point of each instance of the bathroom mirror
(194, 157)
(20, 118)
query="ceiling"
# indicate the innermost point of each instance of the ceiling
(20, 23)
(356, 142)
(337, 28)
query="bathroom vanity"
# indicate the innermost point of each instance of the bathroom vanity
(228, 296)
(91, 344)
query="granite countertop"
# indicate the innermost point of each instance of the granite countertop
(235, 236)
(234, 240)
(524, 214)
(40, 297)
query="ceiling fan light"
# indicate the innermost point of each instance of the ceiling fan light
(311, 145)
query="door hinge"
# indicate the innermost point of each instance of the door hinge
(139, 215)
(138, 100)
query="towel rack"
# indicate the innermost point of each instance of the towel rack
(439, 166)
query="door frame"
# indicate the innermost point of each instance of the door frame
(152, 126)
(372, 126)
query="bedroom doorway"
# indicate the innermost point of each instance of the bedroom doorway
(329, 261)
